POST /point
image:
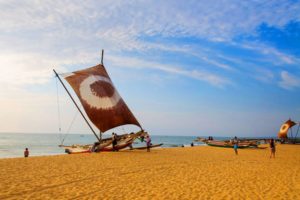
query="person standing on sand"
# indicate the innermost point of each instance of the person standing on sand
(26, 153)
(272, 147)
(114, 141)
(148, 141)
(235, 145)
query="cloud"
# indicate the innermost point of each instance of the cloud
(289, 81)
(273, 54)
(205, 76)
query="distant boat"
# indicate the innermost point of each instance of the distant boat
(228, 144)
(284, 129)
(102, 104)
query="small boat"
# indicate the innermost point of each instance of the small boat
(225, 144)
(152, 146)
(76, 148)
(120, 145)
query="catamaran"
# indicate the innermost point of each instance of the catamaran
(103, 105)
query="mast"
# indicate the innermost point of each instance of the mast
(77, 106)
(102, 56)
(297, 131)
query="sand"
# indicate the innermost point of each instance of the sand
(171, 173)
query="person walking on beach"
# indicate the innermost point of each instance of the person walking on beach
(272, 147)
(235, 145)
(148, 142)
(26, 153)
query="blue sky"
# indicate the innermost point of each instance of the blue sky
(220, 68)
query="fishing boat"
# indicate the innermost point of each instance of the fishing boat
(285, 133)
(151, 146)
(228, 143)
(103, 106)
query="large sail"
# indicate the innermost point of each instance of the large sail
(100, 99)
(285, 128)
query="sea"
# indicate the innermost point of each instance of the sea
(13, 144)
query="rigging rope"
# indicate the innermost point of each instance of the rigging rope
(69, 128)
(58, 109)
(61, 136)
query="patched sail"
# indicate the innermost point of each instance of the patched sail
(100, 99)
(285, 128)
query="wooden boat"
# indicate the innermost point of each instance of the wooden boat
(225, 144)
(76, 148)
(152, 146)
(120, 145)
(103, 106)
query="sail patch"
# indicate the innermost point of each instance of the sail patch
(98, 101)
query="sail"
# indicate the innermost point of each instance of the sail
(284, 128)
(100, 99)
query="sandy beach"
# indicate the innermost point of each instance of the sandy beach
(170, 173)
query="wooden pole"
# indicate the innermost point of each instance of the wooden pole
(77, 106)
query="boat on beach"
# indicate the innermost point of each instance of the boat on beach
(151, 146)
(103, 106)
(229, 143)
(226, 144)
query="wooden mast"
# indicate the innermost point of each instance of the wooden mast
(102, 55)
(77, 106)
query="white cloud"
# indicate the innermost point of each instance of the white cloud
(289, 81)
(274, 55)
(208, 77)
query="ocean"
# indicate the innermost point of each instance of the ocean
(13, 144)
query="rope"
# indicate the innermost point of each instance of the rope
(69, 128)
(58, 109)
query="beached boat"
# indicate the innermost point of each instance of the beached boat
(243, 143)
(226, 144)
(151, 146)
(103, 105)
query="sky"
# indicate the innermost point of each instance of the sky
(220, 68)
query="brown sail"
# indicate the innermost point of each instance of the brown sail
(100, 99)
(284, 128)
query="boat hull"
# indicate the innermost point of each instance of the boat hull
(225, 145)
(106, 145)
(152, 146)
(120, 145)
